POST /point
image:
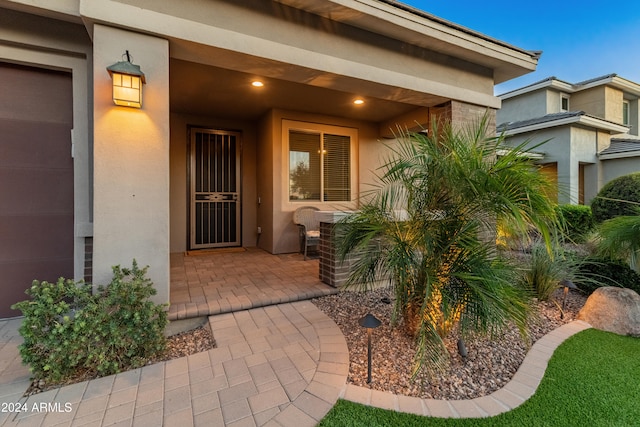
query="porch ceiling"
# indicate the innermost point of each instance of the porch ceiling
(212, 91)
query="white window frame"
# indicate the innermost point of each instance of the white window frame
(352, 133)
(564, 96)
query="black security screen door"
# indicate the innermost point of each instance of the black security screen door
(215, 189)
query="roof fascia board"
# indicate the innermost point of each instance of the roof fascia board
(626, 85)
(549, 83)
(583, 120)
(623, 155)
(603, 124)
(65, 10)
(615, 81)
(421, 30)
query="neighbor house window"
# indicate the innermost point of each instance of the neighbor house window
(564, 102)
(320, 162)
(625, 113)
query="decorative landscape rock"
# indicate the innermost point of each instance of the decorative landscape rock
(613, 309)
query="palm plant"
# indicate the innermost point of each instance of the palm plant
(619, 237)
(425, 225)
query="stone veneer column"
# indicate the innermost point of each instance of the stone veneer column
(332, 271)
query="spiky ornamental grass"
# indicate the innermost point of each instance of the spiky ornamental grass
(428, 228)
(619, 237)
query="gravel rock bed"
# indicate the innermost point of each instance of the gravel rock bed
(490, 364)
(187, 343)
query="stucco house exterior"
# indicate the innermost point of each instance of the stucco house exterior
(210, 159)
(591, 129)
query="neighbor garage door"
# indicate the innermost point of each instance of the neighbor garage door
(36, 180)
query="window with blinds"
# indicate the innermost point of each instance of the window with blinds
(319, 166)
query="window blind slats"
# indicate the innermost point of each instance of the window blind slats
(337, 177)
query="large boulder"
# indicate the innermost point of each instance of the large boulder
(613, 309)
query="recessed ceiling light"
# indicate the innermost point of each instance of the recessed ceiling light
(358, 101)
(257, 83)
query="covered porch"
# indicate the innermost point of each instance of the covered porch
(212, 282)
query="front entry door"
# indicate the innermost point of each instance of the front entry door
(215, 189)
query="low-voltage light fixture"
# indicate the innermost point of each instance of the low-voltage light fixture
(257, 83)
(127, 83)
(566, 285)
(358, 101)
(369, 322)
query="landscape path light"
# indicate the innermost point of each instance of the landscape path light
(567, 284)
(370, 322)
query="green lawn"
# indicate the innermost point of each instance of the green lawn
(593, 379)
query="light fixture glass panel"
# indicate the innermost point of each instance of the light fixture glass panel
(127, 90)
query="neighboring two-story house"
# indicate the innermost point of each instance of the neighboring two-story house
(591, 129)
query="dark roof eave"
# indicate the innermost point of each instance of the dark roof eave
(534, 54)
(563, 118)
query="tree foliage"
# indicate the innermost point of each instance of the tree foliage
(619, 197)
(428, 227)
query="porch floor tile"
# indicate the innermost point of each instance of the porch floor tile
(213, 282)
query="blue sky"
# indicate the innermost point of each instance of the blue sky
(580, 40)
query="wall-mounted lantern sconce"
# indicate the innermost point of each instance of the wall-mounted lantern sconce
(127, 83)
(370, 322)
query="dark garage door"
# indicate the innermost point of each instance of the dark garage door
(36, 180)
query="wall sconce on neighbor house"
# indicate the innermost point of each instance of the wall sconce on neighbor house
(127, 83)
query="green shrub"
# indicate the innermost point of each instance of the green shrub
(70, 331)
(578, 221)
(610, 201)
(608, 272)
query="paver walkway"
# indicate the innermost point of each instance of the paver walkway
(281, 365)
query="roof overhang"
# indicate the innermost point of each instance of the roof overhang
(611, 80)
(623, 155)
(386, 17)
(550, 82)
(402, 22)
(615, 81)
(625, 148)
(584, 120)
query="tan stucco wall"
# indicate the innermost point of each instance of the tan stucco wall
(276, 209)
(131, 161)
(591, 101)
(179, 161)
(265, 175)
(601, 101)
